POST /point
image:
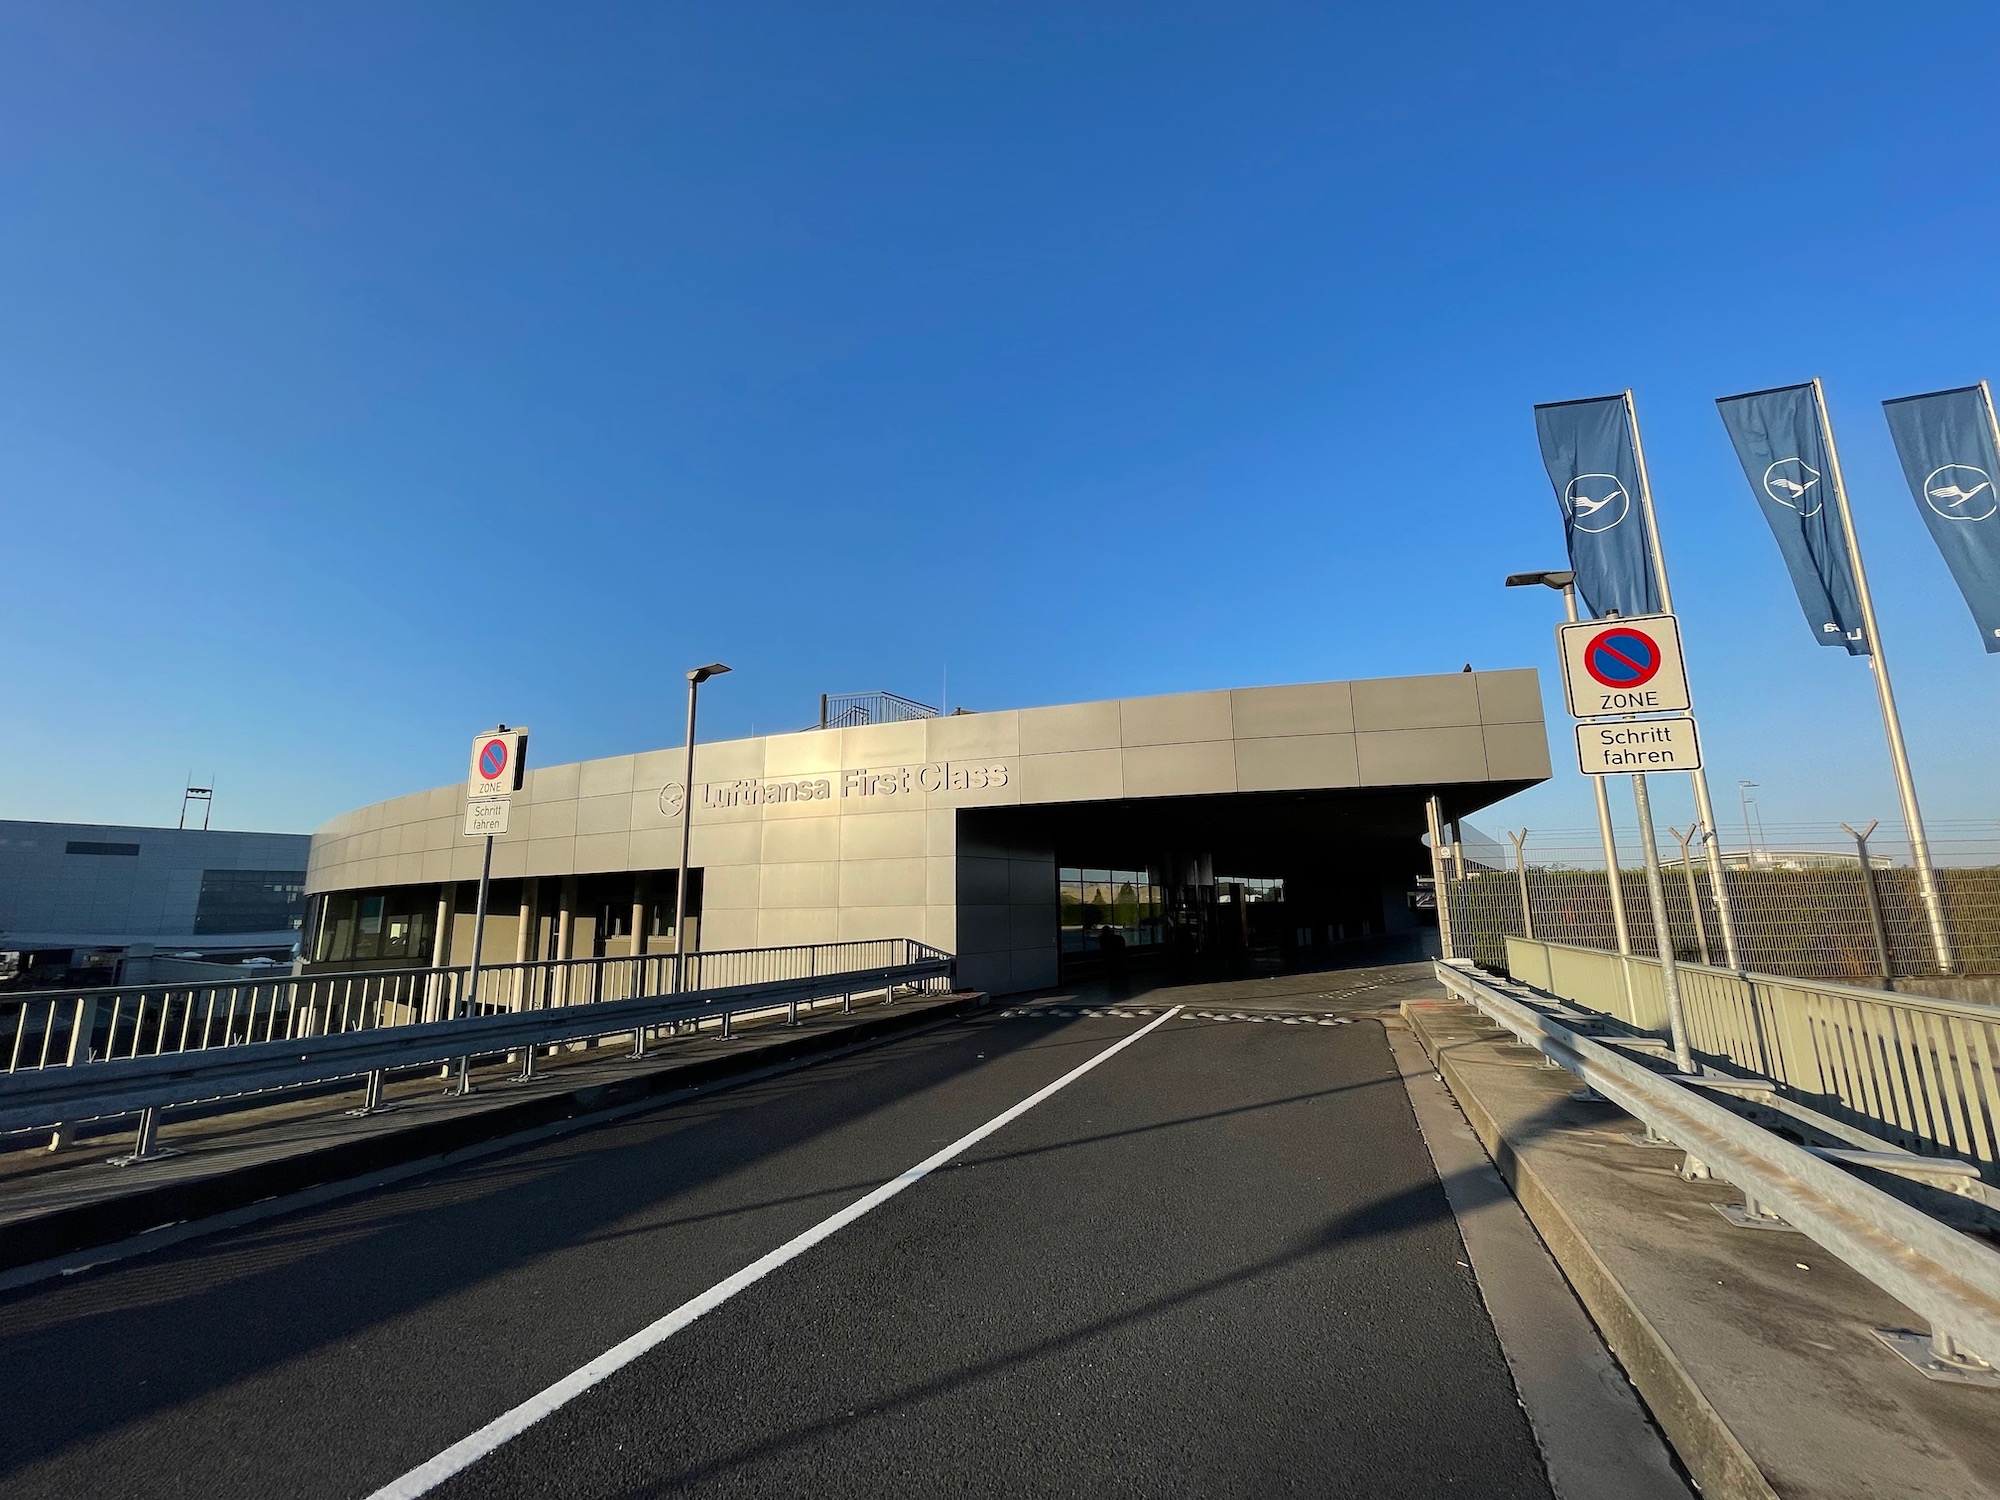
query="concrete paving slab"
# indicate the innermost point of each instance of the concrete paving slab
(1754, 1350)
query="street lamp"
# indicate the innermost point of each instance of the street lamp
(1751, 841)
(1564, 580)
(695, 679)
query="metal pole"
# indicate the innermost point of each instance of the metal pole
(1616, 886)
(1434, 814)
(687, 825)
(1881, 928)
(1694, 896)
(1725, 909)
(1520, 842)
(1892, 724)
(472, 969)
(1656, 890)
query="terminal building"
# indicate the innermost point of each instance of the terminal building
(1213, 832)
(95, 904)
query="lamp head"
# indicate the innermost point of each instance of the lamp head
(701, 674)
(1554, 578)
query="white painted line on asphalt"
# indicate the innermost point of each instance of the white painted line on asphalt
(509, 1425)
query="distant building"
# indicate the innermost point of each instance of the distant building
(86, 903)
(1798, 859)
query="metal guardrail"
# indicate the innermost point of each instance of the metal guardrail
(297, 1032)
(62, 1028)
(1947, 1277)
(1923, 1072)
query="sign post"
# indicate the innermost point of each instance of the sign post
(1613, 671)
(499, 758)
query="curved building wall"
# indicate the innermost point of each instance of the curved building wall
(874, 831)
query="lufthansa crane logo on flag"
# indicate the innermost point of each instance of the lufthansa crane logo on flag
(1794, 484)
(1596, 502)
(1959, 492)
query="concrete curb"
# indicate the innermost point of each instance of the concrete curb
(90, 1225)
(1721, 1466)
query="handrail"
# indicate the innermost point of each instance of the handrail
(49, 1096)
(65, 1028)
(1949, 1278)
(1921, 1071)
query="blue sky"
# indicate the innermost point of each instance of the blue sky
(372, 373)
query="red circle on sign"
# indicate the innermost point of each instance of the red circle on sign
(1623, 657)
(492, 759)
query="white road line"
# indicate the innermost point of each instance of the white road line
(468, 1451)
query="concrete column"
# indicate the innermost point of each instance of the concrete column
(642, 899)
(565, 932)
(447, 909)
(524, 939)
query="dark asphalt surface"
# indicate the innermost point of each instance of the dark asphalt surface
(1218, 1264)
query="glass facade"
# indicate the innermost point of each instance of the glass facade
(1123, 900)
(398, 923)
(250, 901)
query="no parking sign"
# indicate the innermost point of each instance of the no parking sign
(498, 759)
(1623, 666)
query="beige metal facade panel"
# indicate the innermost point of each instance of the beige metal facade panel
(1074, 726)
(1073, 776)
(1517, 752)
(881, 882)
(1421, 757)
(973, 736)
(1175, 719)
(1297, 762)
(1305, 708)
(816, 884)
(802, 839)
(1180, 770)
(1510, 697)
(1416, 702)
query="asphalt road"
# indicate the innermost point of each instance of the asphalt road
(1219, 1263)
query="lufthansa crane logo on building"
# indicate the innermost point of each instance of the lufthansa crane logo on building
(673, 797)
(1794, 484)
(1596, 502)
(1959, 492)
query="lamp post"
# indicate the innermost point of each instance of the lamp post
(1751, 841)
(695, 679)
(1563, 580)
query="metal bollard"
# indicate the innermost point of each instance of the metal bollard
(725, 1025)
(793, 1019)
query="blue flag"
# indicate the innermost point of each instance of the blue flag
(1946, 443)
(1592, 461)
(1782, 442)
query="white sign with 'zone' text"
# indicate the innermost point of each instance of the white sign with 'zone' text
(498, 758)
(1623, 666)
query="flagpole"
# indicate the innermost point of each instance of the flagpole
(1892, 723)
(1614, 883)
(1725, 908)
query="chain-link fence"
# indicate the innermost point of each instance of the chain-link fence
(1801, 905)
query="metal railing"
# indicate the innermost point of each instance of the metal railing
(108, 1053)
(1922, 1072)
(1946, 1277)
(62, 1028)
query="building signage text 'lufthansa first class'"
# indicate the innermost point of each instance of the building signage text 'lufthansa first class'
(892, 781)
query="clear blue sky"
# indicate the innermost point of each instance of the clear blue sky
(369, 373)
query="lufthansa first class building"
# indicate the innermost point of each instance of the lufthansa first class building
(1217, 832)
